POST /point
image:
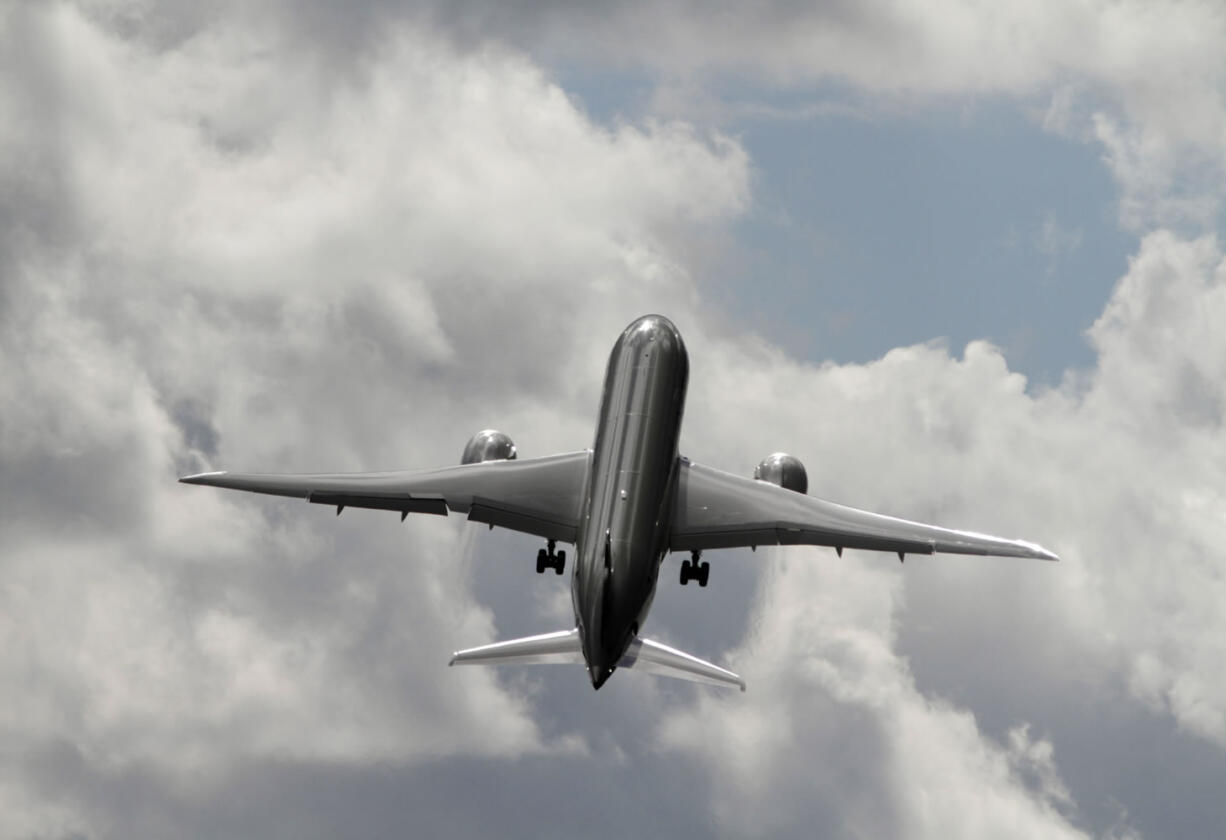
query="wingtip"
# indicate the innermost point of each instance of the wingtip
(200, 478)
(1037, 551)
(1043, 554)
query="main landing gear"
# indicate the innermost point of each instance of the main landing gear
(693, 570)
(550, 559)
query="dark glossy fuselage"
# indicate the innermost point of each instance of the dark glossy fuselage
(624, 533)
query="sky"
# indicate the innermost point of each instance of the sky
(963, 260)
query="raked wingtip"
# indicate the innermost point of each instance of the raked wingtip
(1044, 554)
(200, 478)
(1038, 552)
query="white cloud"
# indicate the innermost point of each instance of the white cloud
(247, 263)
(834, 721)
(1146, 82)
(1118, 471)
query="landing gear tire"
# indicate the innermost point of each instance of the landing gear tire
(547, 558)
(693, 570)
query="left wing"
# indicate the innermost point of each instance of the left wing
(714, 509)
(539, 496)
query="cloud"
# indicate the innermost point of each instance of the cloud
(1145, 83)
(1116, 470)
(840, 726)
(221, 257)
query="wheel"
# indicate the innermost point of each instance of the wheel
(560, 562)
(704, 572)
(686, 566)
(542, 560)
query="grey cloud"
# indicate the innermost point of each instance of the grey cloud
(300, 302)
(198, 433)
(1116, 473)
(1150, 95)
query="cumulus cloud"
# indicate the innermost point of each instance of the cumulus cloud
(1146, 83)
(1117, 470)
(840, 726)
(222, 257)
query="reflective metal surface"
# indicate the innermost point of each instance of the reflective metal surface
(624, 533)
(783, 470)
(488, 445)
(715, 509)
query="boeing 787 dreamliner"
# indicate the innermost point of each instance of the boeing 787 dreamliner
(624, 504)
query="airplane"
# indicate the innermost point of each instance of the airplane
(624, 504)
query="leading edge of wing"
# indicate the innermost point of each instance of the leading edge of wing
(715, 509)
(539, 496)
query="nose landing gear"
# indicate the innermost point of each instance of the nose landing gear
(693, 570)
(550, 559)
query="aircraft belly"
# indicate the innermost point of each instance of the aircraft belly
(624, 534)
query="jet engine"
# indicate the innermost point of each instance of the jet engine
(489, 445)
(784, 470)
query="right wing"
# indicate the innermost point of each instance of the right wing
(714, 509)
(539, 496)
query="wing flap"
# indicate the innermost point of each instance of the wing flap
(520, 519)
(714, 509)
(410, 504)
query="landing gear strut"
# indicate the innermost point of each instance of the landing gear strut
(693, 570)
(550, 559)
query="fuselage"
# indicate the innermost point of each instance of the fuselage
(623, 535)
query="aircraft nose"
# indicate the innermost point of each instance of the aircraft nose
(653, 328)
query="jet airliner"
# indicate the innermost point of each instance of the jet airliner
(624, 504)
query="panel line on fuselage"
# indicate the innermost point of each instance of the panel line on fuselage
(624, 533)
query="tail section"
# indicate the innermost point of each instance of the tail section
(565, 648)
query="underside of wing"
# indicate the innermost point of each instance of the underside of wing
(714, 509)
(539, 496)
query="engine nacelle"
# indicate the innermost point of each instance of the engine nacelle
(784, 470)
(489, 445)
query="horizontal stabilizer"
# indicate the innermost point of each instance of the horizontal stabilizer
(561, 648)
(565, 648)
(664, 661)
